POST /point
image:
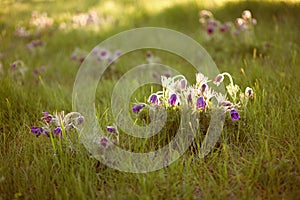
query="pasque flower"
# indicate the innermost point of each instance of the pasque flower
(137, 108)
(234, 115)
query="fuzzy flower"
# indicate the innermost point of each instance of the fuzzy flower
(57, 131)
(249, 93)
(137, 108)
(201, 103)
(104, 142)
(219, 79)
(173, 100)
(234, 115)
(153, 99)
(47, 117)
(36, 130)
(183, 84)
(112, 129)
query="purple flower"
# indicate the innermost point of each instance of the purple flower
(149, 54)
(183, 84)
(201, 103)
(210, 30)
(104, 142)
(36, 130)
(173, 100)
(47, 117)
(74, 57)
(219, 79)
(35, 71)
(137, 108)
(112, 129)
(234, 115)
(103, 52)
(203, 87)
(57, 131)
(118, 53)
(153, 99)
(14, 64)
(79, 120)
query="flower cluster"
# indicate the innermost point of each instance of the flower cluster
(214, 27)
(40, 21)
(102, 54)
(58, 124)
(198, 97)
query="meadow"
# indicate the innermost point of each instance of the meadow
(257, 157)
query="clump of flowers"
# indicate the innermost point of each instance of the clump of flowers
(211, 25)
(216, 29)
(198, 97)
(41, 21)
(102, 54)
(58, 124)
(34, 44)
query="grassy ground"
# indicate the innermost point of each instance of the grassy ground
(258, 157)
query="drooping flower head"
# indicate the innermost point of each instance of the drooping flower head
(249, 93)
(153, 99)
(112, 129)
(137, 108)
(219, 79)
(234, 115)
(173, 100)
(36, 130)
(47, 117)
(201, 104)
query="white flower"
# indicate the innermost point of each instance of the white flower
(232, 90)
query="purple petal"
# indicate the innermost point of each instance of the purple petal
(137, 108)
(173, 100)
(201, 103)
(234, 115)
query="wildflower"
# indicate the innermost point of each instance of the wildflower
(36, 130)
(74, 57)
(210, 30)
(249, 93)
(14, 65)
(112, 129)
(246, 15)
(137, 108)
(173, 100)
(104, 142)
(201, 103)
(203, 87)
(153, 99)
(205, 13)
(149, 54)
(183, 84)
(219, 79)
(234, 115)
(57, 131)
(79, 120)
(47, 117)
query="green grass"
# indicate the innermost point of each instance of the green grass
(257, 158)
